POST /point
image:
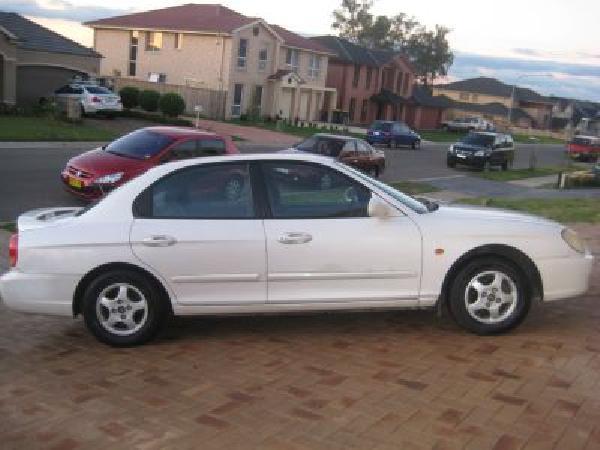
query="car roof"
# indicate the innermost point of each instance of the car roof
(490, 133)
(309, 157)
(181, 132)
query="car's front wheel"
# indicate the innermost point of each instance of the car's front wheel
(416, 145)
(488, 296)
(124, 308)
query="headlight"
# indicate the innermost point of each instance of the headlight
(480, 153)
(573, 239)
(109, 179)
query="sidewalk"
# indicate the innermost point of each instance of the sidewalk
(254, 135)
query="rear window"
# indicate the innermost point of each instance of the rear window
(98, 90)
(325, 146)
(382, 126)
(141, 144)
(581, 141)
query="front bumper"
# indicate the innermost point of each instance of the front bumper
(467, 160)
(565, 277)
(91, 108)
(38, 293)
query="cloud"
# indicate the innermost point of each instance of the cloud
(60, 9)
(547, 77)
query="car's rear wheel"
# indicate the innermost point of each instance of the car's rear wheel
(124, 308)
(375, 171)
(489, 295)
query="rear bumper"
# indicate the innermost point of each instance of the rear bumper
(93, 108)
(565, 277)
(38, 293)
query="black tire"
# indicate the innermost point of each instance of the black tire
(505, 166)
(460, 293)
(451, 164)
(486, 166)
(375, 172)
(416, 145)
(157, 308)
(389, 143)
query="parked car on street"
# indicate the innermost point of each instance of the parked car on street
(172, 241)
(467, 124)
(96, 172)
(392, 134)
(349, 150)
(483, 150)
(584, 148)
(92, 98)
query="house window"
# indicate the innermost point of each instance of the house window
(369, 75)
(351, 109)
(356, 77)
(263, 56)
(464, 96)
(364, 110)
(157, 77)
(291, 59)
(238, 92)
(399, 82)
(133, 49)
(257, 100)
(242, 53)
(314, 67)
(178, 41)
(153, 41)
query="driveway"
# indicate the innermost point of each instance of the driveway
(388, 380)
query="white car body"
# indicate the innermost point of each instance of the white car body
(241, 266)
(468, 124)
(92, 98)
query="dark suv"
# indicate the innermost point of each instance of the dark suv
(483, 150)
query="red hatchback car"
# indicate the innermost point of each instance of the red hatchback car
(94, 173)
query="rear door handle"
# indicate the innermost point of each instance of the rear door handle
(159, 241)
(294, 237)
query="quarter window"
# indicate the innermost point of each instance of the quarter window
(305, 191)
(215, 191)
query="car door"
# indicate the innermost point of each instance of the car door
(349, 155)
(198, 228)
(366, 155)
(323, 247)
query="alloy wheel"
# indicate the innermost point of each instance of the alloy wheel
(121, 309)
(491, 296)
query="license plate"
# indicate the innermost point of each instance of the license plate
(461, 156)
(74, 182)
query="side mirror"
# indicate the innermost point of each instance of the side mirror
(379, 208)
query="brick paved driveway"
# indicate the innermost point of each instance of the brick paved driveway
(401, 380)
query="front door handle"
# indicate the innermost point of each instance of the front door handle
(159, 241)
(295, 238)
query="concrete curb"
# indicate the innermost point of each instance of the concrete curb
(50, 144)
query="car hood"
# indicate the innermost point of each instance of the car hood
(470, 216)
(100, 162)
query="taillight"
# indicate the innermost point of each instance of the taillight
(96, 100)
(13, 250)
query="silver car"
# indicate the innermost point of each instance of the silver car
(91, 98)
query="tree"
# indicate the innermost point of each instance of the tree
(352, 18)
(428, 50)
(430, 53)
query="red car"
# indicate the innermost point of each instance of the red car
(584, 148)
(94, 173)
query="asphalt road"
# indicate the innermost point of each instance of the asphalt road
(29, 177)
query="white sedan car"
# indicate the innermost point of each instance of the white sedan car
(176, 240)
(92, 99)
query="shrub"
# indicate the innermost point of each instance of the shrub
(171, 104)
(149, 100)
(130, 97)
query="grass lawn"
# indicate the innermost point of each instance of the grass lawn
(413, 187)
(455, 136)
(9, 226)
(15, 128)
(302, 132)
(560, 209)
(520, 174)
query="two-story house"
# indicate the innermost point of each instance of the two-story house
(265, 69)
(501, 102)
(371, 84)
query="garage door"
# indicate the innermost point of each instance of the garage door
(35, 82)
(303, 112)
(285, 103)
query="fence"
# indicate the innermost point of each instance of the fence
(212, 101)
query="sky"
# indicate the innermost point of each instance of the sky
(552, 46)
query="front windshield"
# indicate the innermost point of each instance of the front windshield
(141, 144)
(581, 141)
(483, 140)
(406, 200)
(326, 146)
(381, 126)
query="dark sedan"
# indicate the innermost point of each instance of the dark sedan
(392, 134)
(483, 150)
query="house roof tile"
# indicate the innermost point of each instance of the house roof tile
(207, 18)
(31, 36)
(492, 86)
